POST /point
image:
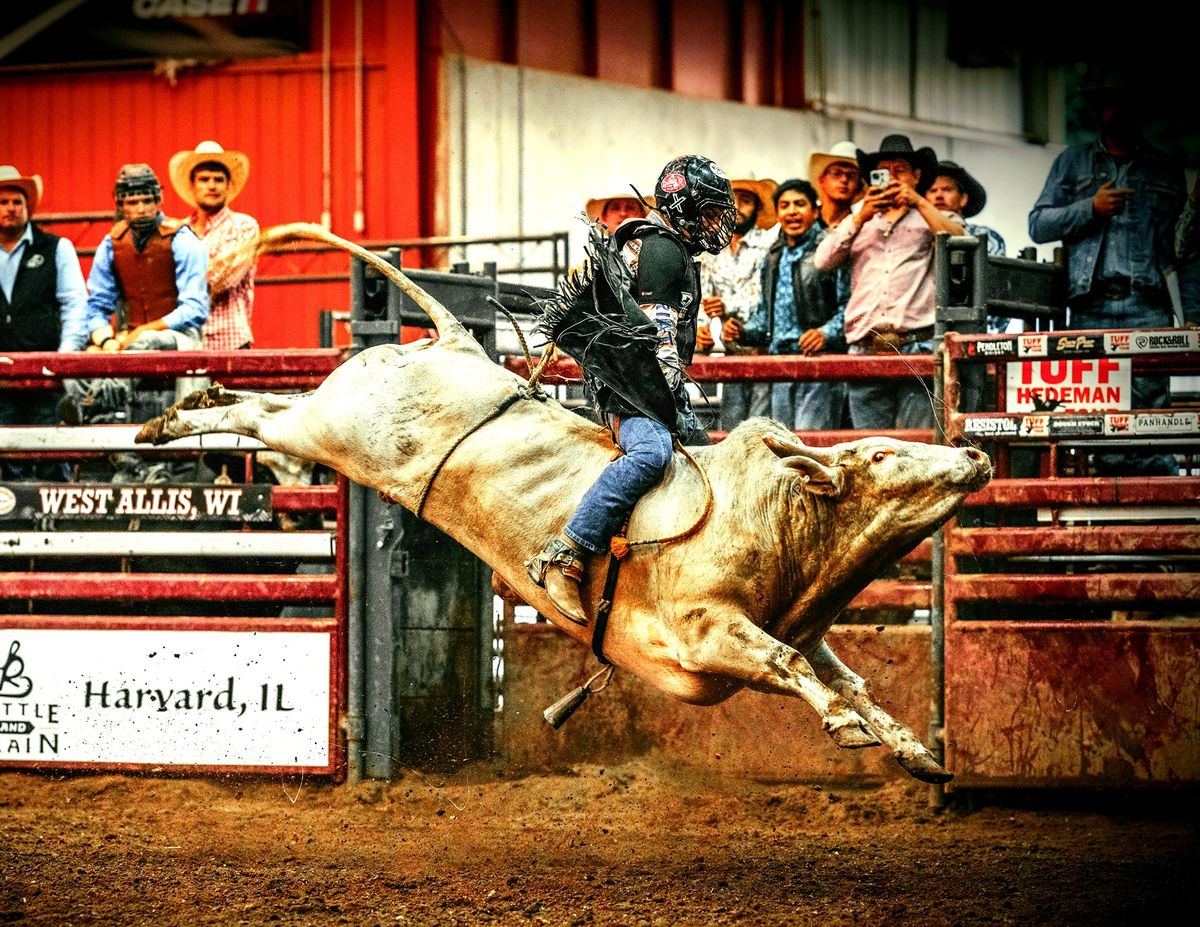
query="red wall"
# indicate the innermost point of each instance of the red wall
(77, 129)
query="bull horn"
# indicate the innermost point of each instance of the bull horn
(448, 327)
(791, 446)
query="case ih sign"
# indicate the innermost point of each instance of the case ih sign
(1098, 384)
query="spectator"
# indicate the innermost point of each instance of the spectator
(611, 211)
(41, 296)
(836, 177)
(208, 179)
(798, 312)
(155, 266)
(1114, 203)
(888, 245)
(729, 289)
(956, 190)
(1187, 257)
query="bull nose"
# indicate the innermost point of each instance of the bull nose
(982, 466)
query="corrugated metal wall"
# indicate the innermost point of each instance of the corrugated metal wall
(77, 129)
(890, 58)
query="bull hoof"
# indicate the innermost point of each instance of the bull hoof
(152, 431)
(925, 768)
(851, 733)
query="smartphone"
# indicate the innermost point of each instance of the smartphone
(881, 177)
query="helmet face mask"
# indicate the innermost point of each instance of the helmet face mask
(696, 197)
(137, 180)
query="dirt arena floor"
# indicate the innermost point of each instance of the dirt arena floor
(642, 844)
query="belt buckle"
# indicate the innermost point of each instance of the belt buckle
(886, 343)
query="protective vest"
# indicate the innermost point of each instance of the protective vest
(146, 277)
(596, 319)
(32, 320)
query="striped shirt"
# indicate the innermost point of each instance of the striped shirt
(230, 280)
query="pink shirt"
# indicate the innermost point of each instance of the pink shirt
(891, 273)
(230, 282)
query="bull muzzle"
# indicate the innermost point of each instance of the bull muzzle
(976, 469)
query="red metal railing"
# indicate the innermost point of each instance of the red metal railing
(1072, 634)
(127, 591)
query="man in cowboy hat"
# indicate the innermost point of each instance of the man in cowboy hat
(729, 289)
(151, 267)
(888, 245)
(611, 211)
(42, 301)
(1113, 203)
(209, 178)
(956, 190)
(834, 174)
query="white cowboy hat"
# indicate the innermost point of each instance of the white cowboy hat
(31, 186)
(184, 162)
(595, 206)
(764, 190)
(819, 161)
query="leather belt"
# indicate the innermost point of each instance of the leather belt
(891, 342)
(1113, 288)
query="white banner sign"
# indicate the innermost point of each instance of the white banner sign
(1070, 385)
(195, 698)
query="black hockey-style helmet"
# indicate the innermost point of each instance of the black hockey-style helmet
(136, 179)
(697, 199)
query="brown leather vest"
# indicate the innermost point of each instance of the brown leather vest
(146, 277)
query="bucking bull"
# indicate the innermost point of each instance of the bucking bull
(793, 532)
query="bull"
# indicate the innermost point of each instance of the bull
(792, 532)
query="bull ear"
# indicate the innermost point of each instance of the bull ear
(816, 477)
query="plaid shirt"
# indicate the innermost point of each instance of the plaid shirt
(230, 282)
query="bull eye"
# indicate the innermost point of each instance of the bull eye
(880, 456)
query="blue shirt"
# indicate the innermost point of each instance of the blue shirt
(785, 328)
(191, 280)
(68, 288)
(1136, 244)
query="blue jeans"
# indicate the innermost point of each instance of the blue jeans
(808, 406)
(882, 405)
(33, 407)
(743, 400)
(1135, 311)
(604, 507)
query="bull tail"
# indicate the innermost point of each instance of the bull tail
(448, 327)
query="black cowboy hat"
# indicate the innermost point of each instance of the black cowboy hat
(1098, 96)
(899, 146)
(976, 195)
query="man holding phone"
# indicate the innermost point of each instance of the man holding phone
(888, 245)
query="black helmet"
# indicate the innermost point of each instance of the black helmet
(697, 199)
(136, 179)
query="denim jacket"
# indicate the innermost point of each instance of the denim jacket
(1142, 234)
(820, 297)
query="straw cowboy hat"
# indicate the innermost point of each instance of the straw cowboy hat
(30, 186)
(976, 195)
(595, 206)
(841, 153)
(764, 191)
(184, 162)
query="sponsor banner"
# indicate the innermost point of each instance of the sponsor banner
(201, 502)
(1118, 424)
(1166, 423)
(1006, 347)
(1070, 385)
(1151, 342)
(1035, 426)
(182, 698)
(1065, 426)
(980, 427)
(1075, 344)
(1032, 345)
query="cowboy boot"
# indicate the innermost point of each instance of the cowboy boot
(558, 569)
